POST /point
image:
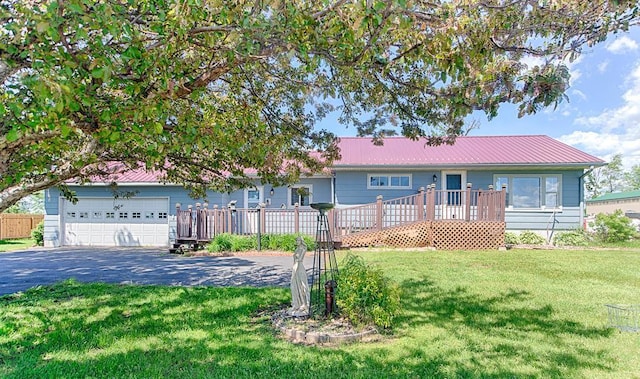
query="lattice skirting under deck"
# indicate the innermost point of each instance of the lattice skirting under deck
(443, 235)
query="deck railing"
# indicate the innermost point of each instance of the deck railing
(203, 224)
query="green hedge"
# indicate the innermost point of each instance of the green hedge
(233, 242)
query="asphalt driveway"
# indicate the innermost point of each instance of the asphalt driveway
(25, 269)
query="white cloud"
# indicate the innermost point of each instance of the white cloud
(602, 67)
(579, 94)
(615, 130)
(627, 116)
(622, 45)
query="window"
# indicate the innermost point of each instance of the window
(162, 215)
(253, 197)
(124, 215)
(84, 214)
(148, 215)
(110, 215)
(379, 181)
(301, 195)
(135, 215)
(97, 215)
(71, 214)
(531, 191)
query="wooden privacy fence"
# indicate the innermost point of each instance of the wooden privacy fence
(18, 225)
(203, 223)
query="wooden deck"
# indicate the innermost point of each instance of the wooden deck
(196, 226)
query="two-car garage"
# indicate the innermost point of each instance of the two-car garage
(109, 221)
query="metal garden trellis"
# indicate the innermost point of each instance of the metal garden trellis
(325, 268)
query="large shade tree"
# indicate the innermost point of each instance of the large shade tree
(206, 89)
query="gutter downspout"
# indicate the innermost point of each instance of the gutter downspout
(581, 193)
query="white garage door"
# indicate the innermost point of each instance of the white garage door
(115, 222)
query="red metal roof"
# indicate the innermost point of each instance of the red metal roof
(467, 151)
(535, 150)
(121, 174)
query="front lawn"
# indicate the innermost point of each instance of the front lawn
(16, 244)
(490, 314)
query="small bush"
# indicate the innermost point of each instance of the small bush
(310, 242)
(286, 242)
(531, 238)
(221, 242)
(615, 227)
(365, 295)
(576, 237)
(243, 243)
(511, 238)
(38, 234)
(234, 242)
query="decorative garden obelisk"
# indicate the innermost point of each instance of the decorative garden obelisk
(325, 267)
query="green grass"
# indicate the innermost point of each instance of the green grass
(16, 244)
(523, 314)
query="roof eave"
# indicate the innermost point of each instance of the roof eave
(482, 166)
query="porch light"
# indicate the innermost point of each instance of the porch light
(271, 192)
(435, 178)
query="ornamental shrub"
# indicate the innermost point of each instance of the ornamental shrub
(38, 234)
(615, 227)
(531, 238)
(221, 242)
(511, 238)
(365, 296)
(235, 242)
(243, 243)
(577, 237)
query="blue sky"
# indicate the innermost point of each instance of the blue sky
(602, 116)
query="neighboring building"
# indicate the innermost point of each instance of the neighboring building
(543, 178)
(627, 202)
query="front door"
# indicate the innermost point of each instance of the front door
(453, 184)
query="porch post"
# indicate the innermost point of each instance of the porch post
(503, 203)
(431, 203)
(420, 205)
(332, 223)
(296, 218)
(379, 212)
(491, 214)
(216, 223)
(467, 211)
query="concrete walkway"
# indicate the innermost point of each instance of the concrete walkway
(25, 269)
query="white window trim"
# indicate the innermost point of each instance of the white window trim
(295, 187)
(463, 178)
(543, 191)
(260, 190)
(389, 186)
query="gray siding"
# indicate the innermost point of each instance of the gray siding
(351, 186)
(176, 194)
(567, 219)
(321, 192)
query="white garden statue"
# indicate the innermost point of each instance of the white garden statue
(300, 296)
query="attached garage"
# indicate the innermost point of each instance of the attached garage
(108, 221)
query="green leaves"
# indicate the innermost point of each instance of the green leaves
(221, 87)
(12, 135)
